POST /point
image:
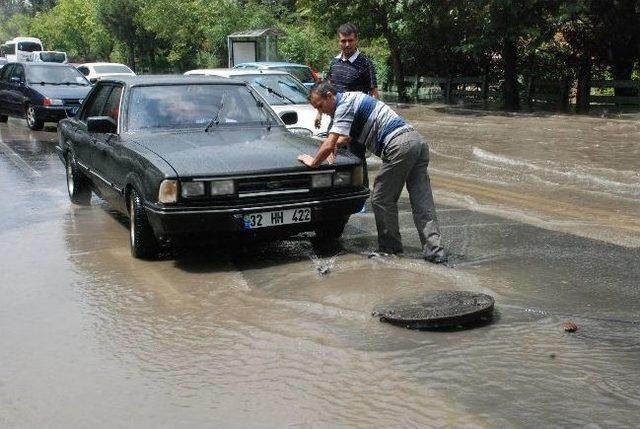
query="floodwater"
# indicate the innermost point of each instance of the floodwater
(539, 212)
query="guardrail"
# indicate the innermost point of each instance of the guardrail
(558, 94)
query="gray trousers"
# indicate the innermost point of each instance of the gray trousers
(405, 160)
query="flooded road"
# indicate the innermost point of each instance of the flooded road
(540, 212)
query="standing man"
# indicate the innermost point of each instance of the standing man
(372, 124)
(350, 70)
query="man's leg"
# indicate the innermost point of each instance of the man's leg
(397, 161)
(423, 207)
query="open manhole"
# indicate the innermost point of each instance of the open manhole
(438, 310)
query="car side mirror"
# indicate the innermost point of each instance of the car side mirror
(101, 124)
(93, 80)
(289, 117)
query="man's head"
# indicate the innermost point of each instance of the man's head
(348, 39)
(322, 97)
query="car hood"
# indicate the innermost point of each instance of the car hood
(234, 151)
(62, 91)
(306, 116)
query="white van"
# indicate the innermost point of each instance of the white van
(49, 57)
(21, 48)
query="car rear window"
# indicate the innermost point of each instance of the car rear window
(53, 57)
(180, 106)
(29, 46)
(55, 75)
(112, 68)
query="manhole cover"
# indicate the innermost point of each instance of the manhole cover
(438, 310)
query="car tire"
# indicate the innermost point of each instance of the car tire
(330, 231)
(32, 119)
(77, 184)
(4, 118)
(144, 244)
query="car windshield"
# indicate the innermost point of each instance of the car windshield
(278, 89)
(29, 46)
(112, 68)
(56, 75)
(203, 106)
(302, 73)
(53, 57)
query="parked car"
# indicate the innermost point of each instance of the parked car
(40, 92)
(94, 71)
(304, 73)
(283, 92)
(49, 57)
(201, 157)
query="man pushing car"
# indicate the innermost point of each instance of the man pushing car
(405, 157)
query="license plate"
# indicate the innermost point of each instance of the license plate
(276, 218)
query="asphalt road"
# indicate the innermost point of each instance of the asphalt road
(281, 334)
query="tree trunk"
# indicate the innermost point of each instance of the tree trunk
(584, 84)
(394, 47)
(622, 70)
(510, 90)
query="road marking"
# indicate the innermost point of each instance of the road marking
(17, 160)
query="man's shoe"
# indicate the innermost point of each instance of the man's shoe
(380, 253)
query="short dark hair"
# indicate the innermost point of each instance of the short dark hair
(348, 28)
(322, 88)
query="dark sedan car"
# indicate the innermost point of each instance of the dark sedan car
(40, 92)
(191, 157)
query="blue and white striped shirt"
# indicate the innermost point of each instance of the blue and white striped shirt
(366, 120)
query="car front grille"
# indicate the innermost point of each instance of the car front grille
(273, 185)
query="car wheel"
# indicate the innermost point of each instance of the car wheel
(77, 183)
(330, 231)
(4, 118)
(144, 244)
(32, 120)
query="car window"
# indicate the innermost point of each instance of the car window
(18, 71)
(278, 89)
(112, 68)
(83, 70)
(95, 105)
(6, 72)
(194, 105)
(56, 75)
(112, 106)
(53, 57)
(302, 73)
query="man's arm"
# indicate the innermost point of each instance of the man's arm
(327, 148)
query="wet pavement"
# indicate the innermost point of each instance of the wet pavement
(539, 212)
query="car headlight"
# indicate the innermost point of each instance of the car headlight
(191, 189)
(168, 192)
(323, 180)
(342, 178)
(222, 187)
(358, 177)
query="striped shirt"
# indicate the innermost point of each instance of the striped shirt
(366, 120)
(356, 73)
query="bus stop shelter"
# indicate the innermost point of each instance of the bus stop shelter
(253, 45)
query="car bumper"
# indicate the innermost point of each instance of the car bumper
(54, 113)
(206, 222)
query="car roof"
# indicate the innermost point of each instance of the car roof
(102, 64)
(234, 72)
(142, 80)
(272, 64)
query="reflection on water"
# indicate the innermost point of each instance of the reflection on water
(281, 334)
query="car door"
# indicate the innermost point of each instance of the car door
(84, 144)
(15, 90)
(107, 153)
(5, 108)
